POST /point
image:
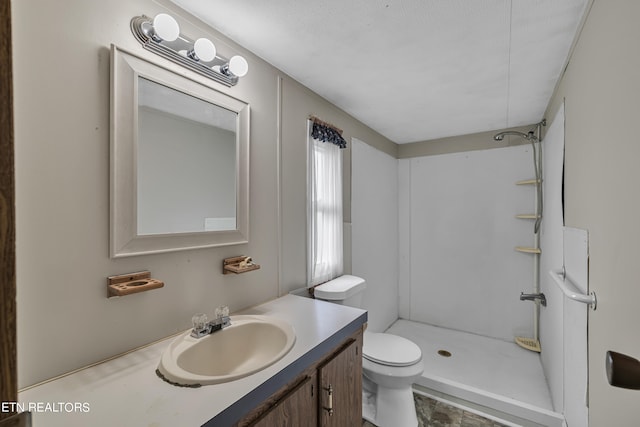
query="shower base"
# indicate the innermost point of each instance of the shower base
(492, 376)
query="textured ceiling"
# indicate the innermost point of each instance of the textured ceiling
(413, 70)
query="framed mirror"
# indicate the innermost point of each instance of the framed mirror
(179, 161)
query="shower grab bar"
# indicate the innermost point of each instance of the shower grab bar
(571, 290)
(529, 182)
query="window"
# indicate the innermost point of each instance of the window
(324, 195)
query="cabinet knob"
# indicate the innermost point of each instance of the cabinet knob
(623, 371)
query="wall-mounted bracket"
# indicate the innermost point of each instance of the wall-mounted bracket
(238, 264)
(132, 283)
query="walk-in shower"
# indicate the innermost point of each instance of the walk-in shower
(452, 221)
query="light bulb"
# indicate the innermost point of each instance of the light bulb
(165, 27)
(204, 50)
(238, 66)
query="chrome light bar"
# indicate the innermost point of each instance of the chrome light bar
(161, 35)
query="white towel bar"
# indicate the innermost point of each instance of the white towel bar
(571, 290)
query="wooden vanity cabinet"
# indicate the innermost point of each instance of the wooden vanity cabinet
(327, 394)
(340, 382)
(298, 407)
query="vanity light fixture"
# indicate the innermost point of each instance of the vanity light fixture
(161, 35)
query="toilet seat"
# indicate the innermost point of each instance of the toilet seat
(390, 350)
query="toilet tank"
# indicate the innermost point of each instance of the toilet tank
(346, 290)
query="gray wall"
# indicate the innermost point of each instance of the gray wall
(462, 143)
(65, 320)
(297, 103)
(600, 88)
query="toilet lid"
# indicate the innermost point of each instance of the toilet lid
(390, 350)
(339, 289)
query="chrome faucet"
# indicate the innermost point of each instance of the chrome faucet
(533, 297)
(202, 327)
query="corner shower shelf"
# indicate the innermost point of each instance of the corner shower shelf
(527, 216)
(528, 343)
(528, 250)
(529, 182)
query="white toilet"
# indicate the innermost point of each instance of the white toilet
(390, 364)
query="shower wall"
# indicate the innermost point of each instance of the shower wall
(374, 231)
(457, 233)
(551, 241)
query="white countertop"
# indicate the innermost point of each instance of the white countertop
(127, 392)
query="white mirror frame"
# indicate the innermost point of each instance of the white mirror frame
(124, 239)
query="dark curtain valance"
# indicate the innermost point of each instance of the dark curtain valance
(327, 133)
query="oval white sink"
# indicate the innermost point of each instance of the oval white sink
(249, 345)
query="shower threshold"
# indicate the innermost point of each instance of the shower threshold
(488, 375)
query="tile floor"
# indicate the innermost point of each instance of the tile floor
(433, 413)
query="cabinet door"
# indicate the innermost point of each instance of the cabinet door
(298, 408)
(340, 387)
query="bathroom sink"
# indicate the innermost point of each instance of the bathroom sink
(248, 345)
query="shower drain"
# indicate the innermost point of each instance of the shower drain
(444, 353)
